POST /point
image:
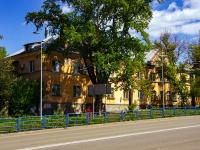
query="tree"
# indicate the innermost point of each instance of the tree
(194, 58)
(172, 48)
(24, 97)
(7, 76)
(100, 30)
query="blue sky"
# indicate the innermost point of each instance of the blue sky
(12, 23)
(180, 17)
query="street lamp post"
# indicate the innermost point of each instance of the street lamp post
(163, 83)
(40, 75)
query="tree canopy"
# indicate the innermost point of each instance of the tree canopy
(101, 31)
(194, 59)
(24, 97)
(172, 48)
(7, 76)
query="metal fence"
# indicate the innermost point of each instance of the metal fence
(28, 123)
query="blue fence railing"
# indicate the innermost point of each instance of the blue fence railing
(28, 123)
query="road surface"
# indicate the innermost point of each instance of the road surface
(156, 134)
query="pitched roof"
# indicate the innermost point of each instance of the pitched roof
(150, 55)
(35, 45)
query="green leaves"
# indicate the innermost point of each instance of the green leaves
(98, 30)
(24, 96)
(7, 76)
(171, 48)
(101, 31)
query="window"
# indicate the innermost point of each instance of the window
(126, 94)
(153, 76)
(161, 95)
(56, 66)
(31, 66)
(111, 75)
(153, 95)
(173, 96)
(161, 78)
(139, 75)
(77, 91)
(192, 76)
(169, 95)
(77, 68)
(56, 90)
(140, 95)
(112, 93)
(183, 78)
(90, 91)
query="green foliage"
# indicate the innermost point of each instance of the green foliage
(171, 47)
(7, 76)
(58, 112)
(4, 113)
(100, 32)
(56, 121)
(178, 84)
(24, 96)
(31, 123)
(133, 106)
(3, 52)
(194, 58)
(59, 121)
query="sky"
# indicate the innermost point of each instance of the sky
(181, 17)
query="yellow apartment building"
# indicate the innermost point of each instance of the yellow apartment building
(66, 81)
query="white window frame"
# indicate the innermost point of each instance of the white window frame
(56, 66)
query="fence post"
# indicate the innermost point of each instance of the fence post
(44, 121)
(122, 115)
(18, 124)
(174, 111)
(136, 114)
(87, 118)
(163, 112)
(105, 116)
(185, 111)
(67, 120)
(151, 112)
(195, 110)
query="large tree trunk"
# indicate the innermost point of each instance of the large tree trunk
(193, 102)
(130, 98)
(98, 104)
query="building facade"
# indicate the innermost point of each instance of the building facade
(66, 81)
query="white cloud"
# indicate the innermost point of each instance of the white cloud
(172, 6)
(66, 9)
(183, 19)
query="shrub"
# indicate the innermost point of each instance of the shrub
(4, 113)
(133, 106)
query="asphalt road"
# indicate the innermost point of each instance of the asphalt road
(180, 133)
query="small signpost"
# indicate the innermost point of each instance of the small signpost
(99, 89)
